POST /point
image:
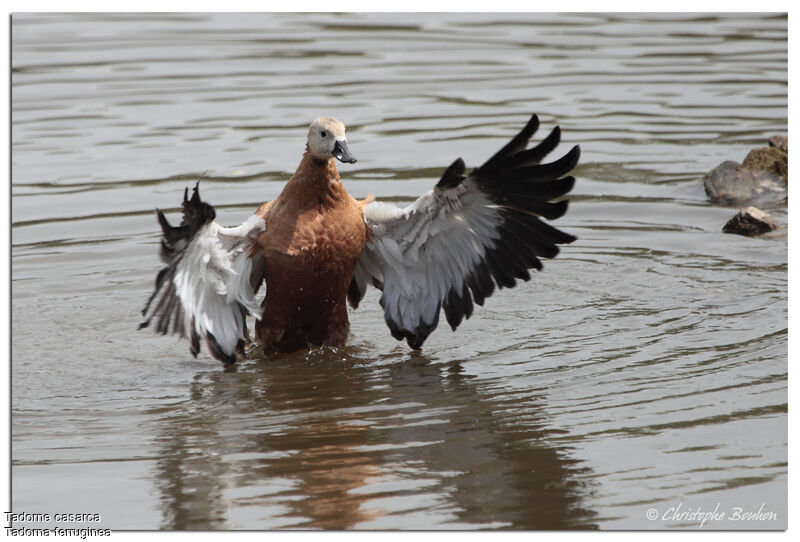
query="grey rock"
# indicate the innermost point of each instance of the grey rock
(732, 182)
(769, 159)
(780, 142)
(751, 222)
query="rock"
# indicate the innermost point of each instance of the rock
(779, 142)
(731, 182)
(769, 159)
(751, 222)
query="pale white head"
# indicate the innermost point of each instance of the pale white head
(326, 139)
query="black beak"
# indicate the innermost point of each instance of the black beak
(341, 152)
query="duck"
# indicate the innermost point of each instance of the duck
(315, 249)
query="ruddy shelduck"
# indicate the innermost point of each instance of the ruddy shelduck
(315, 247)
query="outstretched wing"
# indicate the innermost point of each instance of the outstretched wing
(450, 247)
(207, 287)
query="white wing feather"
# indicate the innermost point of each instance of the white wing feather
(213, 278)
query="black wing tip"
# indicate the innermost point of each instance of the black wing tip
(217, 352)
(576, 152)
(453, 175)
(162, 219)
(569, 161)
(516, 145)
(194, 341)
(556, 209)
(414, 341)
(457, 307)
(546, 145)
(514, 162)
(196, 212)
(195, 194)
(531, 126)
(354, 294)
(414, 338)
(569, 183)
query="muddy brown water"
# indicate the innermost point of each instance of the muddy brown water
(642, 373)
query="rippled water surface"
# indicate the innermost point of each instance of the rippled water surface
(644, 369)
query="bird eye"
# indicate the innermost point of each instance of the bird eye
(323, 133)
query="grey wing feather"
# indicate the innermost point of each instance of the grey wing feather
(451, 246)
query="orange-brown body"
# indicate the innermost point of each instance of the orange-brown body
(315, 233)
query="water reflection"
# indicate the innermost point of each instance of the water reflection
(330, 440)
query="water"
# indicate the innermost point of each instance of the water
(644, 368)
